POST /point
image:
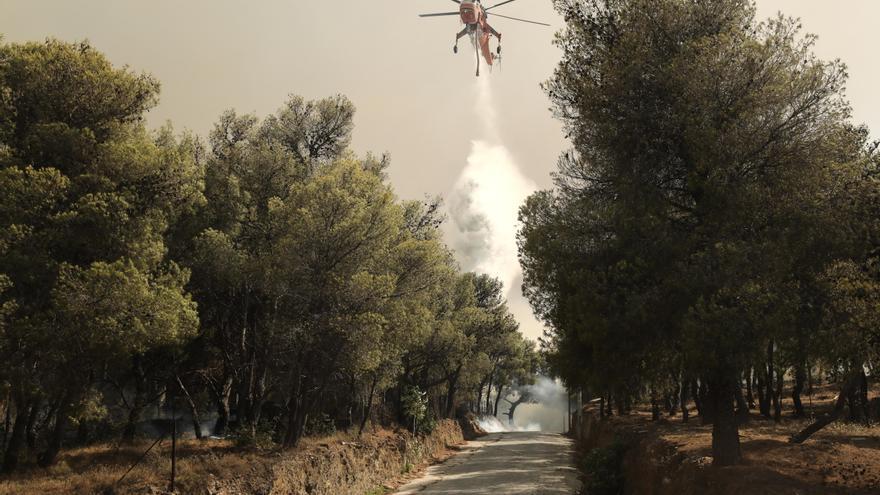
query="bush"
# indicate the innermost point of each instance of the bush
(320, 425)
(427, 424)
(415, 406)
(602, 470)
(262, 438)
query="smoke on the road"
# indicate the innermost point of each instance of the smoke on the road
(492, 424)
(545, 410)
(548, 406)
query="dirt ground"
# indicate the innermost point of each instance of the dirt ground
(843, 458)
(522, 463)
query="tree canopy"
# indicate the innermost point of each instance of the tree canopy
(711, 211)
(267, 279)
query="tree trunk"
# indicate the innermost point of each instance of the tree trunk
(683, 399)
(369, 408)
(670, 404)
(138, 402)
(809, 379)
(763, 395)
(193, 409)
(30, 432)
(497, 400)
(49, 457)
(258, 398)
(851, 401)
(512, 410)
(750, 397)
(489, 392)
(223, 398)
(777, 396)
(247, 378)
(848, 387)
(707, 415)
(695, 393)
(17, 438)
(7, 420)
(742, 408)
(295, 427)
(863, 396)
(480, 397)
(725, 433)
(450, 393)
(134, 415)
(771, 382)
(799, 379)
(297, 412)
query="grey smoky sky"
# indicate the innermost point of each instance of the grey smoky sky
(413, 95)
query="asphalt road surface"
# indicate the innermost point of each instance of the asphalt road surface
(510, 463)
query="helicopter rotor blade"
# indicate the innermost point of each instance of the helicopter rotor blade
(439, 14)
(459, 1)
(521, 20)
(497, 4)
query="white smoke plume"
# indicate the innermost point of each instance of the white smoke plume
(491, 424)
(548, 406)
(486, 198)
(545, 410)
(483, 207)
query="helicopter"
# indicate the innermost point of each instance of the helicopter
(474, 17)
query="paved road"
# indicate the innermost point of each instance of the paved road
(520, 463)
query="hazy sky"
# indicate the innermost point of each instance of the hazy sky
(415, 99)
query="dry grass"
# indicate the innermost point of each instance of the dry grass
(218, 465)
(97, 468)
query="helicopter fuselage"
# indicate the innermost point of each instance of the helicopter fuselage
(476, 26)
(472, 13)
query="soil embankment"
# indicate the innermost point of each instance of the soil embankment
(334, 465)
(354, 467)
(671, 458)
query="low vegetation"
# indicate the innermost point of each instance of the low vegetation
(603, 470)
(344, 462)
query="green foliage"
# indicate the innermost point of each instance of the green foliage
(603, 470)
(60, 100)
(260, 438)
(415, 406)
(271, 273)
(695, 220)
(114, 309)
(88, 198)
(320, 424)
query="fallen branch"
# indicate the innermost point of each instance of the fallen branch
(848, 388)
